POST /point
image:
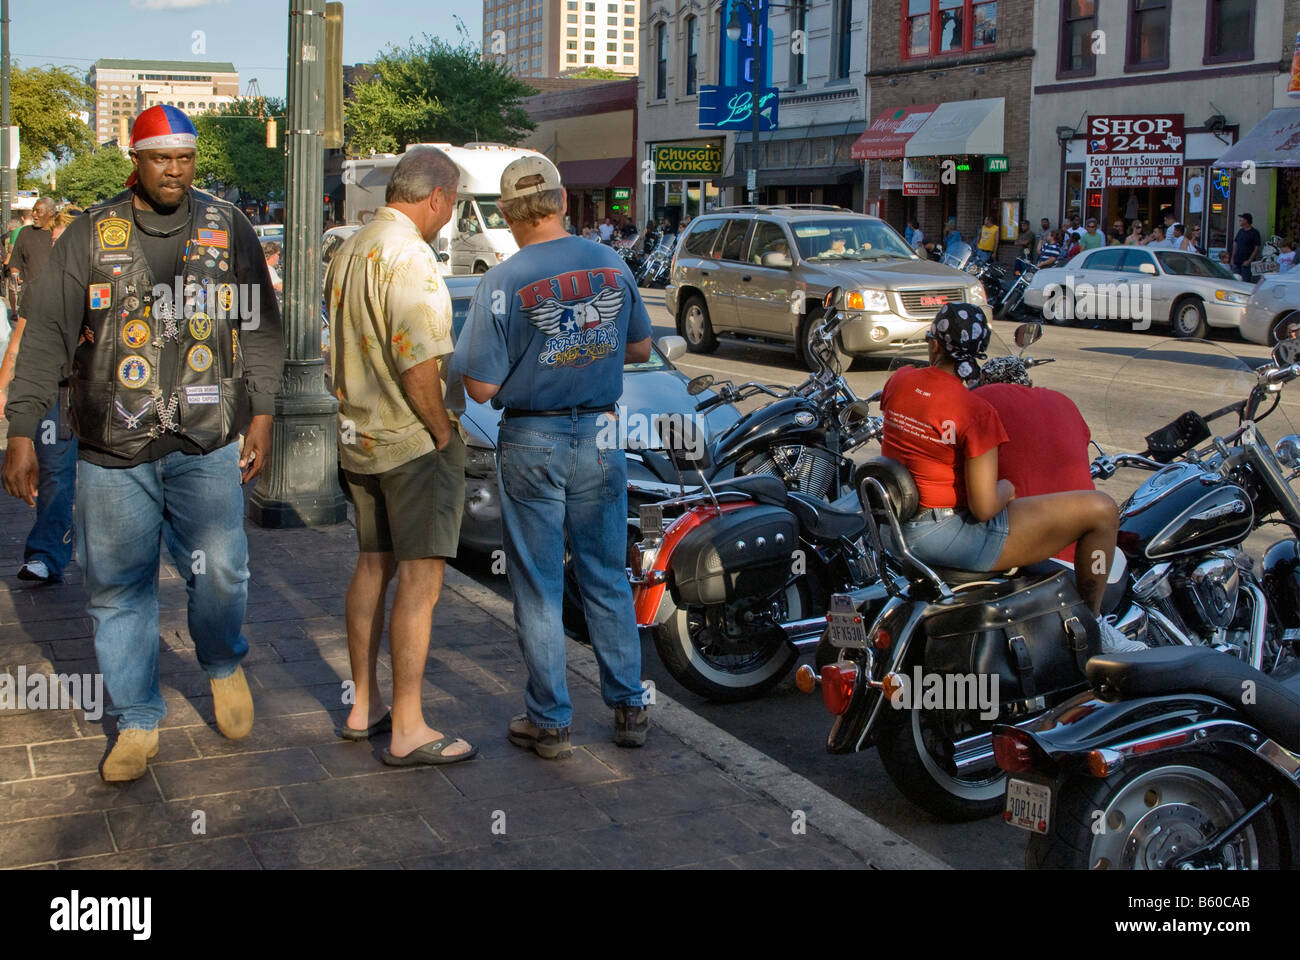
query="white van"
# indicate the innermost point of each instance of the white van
(476, 237)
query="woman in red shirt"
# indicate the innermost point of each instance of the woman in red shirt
(948, 437)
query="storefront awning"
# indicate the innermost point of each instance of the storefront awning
(1274, 142)
(889, 132)
(960, 128)
(585, 174)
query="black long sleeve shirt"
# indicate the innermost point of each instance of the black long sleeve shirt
(58, 307)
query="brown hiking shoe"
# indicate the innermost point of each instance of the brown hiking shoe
(233, 704)
(130, 755)
(631, 723)
(549, 744)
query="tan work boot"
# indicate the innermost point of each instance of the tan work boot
(233, 704)
(130, 755)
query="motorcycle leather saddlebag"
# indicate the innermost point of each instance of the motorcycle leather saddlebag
(1034, 636)
(743, 553)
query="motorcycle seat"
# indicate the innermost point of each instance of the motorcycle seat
(1274, 709)
(763, 487)
(826, 521)
(955, 577)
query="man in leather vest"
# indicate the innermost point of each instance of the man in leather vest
(157, 307)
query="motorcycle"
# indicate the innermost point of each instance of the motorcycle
(1014, 298)
(1189, 752)
(737, 584)
(655, 269)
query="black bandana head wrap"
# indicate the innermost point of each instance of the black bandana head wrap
(963, 331)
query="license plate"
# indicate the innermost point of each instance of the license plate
(652, 520)
(1029, 805)
(844, 627)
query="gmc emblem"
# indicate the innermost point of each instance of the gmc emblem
(933, 301)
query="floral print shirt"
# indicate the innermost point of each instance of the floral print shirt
(388, 311)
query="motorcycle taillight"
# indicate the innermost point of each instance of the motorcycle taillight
(838, 681)
(1014, 750)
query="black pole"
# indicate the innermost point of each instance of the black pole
(758, 89)
(6, 196)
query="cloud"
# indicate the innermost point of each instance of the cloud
(173, 4)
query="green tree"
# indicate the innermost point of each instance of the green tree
(232, 150)
(433, 91)
(595, 73)
(43, 104)
(93, 176)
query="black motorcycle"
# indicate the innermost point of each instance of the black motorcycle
(1011, 305)
(1188, 753)
(739, 582)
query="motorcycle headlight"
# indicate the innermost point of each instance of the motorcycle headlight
(867, 301)
(1288, 451)
(977, 295)
(1231, 296)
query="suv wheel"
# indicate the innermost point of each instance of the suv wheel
(695, 326)
(810, 325)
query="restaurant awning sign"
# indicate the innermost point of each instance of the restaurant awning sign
(1135, 150)
(676, 160)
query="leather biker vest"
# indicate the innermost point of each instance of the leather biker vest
(141, 329)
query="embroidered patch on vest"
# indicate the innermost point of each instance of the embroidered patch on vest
(132, 420)
(200, 358)
(134, 372)
(212, 238)
(114, 232)
(200, 326)
(101, 296)
(135, 334)
(206, 393)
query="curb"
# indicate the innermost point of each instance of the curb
(877, 844)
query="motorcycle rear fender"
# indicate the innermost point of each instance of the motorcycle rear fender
(1144, 727)
(853, 729)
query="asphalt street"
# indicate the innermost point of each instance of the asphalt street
(1125, 383)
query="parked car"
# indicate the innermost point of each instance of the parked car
(650, 388)
(1141, 285)
(269, 230)
(1276, 295)
(762, 271)
(334, 237)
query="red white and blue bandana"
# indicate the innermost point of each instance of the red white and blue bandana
(159, 127)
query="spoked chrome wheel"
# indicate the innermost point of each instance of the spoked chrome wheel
(1165, 812)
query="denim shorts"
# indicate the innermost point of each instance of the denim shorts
(958, 541)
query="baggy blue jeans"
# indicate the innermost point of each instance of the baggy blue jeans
(51, 536)
(195, 505)
(558, 483)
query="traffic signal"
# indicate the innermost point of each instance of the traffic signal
(270, 133)
(123, 135)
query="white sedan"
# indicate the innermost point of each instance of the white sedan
(1276, 295)
(1142, 286)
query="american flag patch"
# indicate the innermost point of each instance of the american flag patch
(212, 238)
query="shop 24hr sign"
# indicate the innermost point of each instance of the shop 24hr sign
(1135, 150)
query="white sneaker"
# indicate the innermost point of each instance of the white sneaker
(1113, 639)
(34, 570)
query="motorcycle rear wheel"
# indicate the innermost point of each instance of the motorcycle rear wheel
(1145, 810)
(677, 641)
(926, 780)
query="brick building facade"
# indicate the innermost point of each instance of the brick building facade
(975, 63)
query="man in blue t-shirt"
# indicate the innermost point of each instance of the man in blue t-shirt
(546, 338)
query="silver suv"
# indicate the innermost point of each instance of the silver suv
(762, 271)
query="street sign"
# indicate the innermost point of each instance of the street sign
(751, 180)
(996, 164)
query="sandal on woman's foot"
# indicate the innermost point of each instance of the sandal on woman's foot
(432, 753)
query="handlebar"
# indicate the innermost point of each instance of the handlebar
(1104, 467)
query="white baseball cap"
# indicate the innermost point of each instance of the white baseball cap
(529, 175)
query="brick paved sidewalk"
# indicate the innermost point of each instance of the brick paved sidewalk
(293, 795)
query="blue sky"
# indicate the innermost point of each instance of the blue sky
(252, 34)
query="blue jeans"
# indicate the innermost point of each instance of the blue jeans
(983, 256)
(556, 483)
(50, 540)
(195, 505)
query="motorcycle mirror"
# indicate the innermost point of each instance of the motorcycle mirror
(1287, 351)
(832, 297)
(1288, 451)
(699, 384)
(1288, 328)
(1028, 334)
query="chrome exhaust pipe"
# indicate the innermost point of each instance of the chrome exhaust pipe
(804, 633)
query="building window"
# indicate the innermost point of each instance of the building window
(936, 27)
(629, 21)
(572, 45)
(588, 58)
(571, 32)
(591, 20)
(611, 21)
(589, 33)
(1078, 21)
(572, 18)
(628, 61)
(611, 47)
(571, 58)
(1229, 30)
(692, 54)
(661, 61)
(589, 45)
(799, 61)
(843, 36)
(629, 34)
(1148, 35)
(629, 48)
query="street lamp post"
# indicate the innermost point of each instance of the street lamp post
(300, 486)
